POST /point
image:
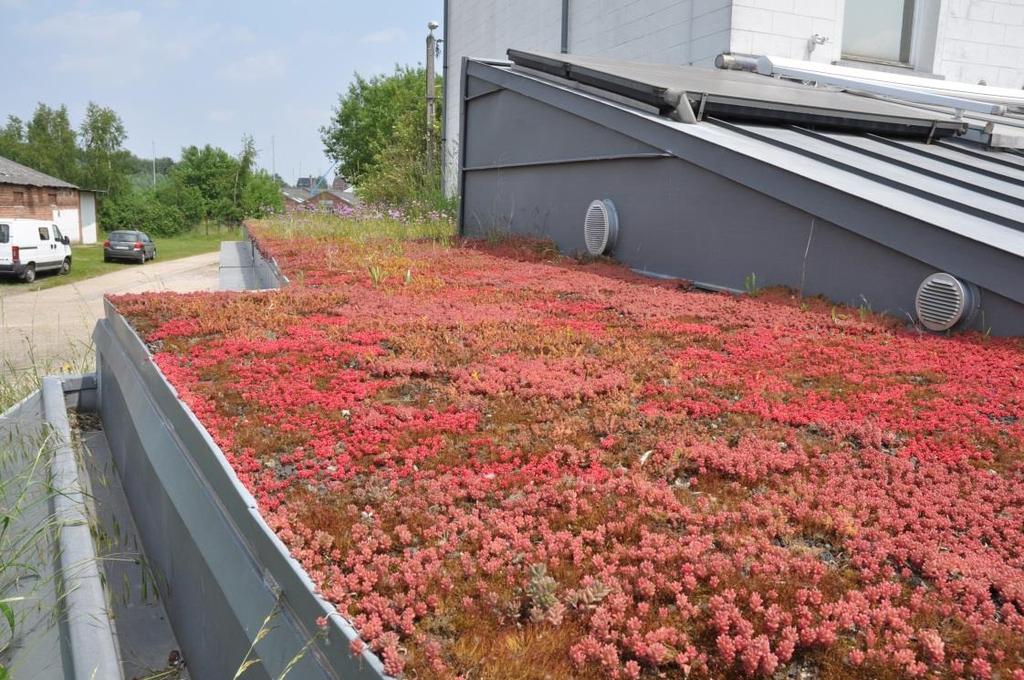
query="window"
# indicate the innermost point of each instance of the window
(879, 30)
(19, 198)
(57, 236)
(44, 234)
(5, 233)
(53, 197)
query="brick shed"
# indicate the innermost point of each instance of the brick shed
(332, 199)
(30, 194)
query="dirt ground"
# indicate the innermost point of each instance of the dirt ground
(53, 328)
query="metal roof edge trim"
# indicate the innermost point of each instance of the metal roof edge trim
(842, 208)
(92, 647)
(284, 578)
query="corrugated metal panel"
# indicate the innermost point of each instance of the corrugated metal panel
(962, 196)
(927, 163)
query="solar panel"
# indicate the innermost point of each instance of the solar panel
(741, 96)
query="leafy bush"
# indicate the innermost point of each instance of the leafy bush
(379, 136)
(261, 196)
(143, 210)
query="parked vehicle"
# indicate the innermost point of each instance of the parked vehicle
(28, 247)
(135, 246)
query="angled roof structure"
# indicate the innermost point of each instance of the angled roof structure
(898, 180)
(295, 193)
(16, 173)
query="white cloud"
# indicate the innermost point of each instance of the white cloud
(260, 66)
(123, 45)
(383, 37)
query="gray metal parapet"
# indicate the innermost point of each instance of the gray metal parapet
(230, 586)
(243, 266)
(92, 649)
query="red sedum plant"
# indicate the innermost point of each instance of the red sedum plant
(507, 464)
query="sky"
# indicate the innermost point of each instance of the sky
(183, 72)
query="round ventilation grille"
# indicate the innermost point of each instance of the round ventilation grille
(601, 227)
(943, 301)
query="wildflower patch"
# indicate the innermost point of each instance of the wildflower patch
(500, 463)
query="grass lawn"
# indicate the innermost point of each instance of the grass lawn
(87, 261)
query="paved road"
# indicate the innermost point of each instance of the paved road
(53, 327)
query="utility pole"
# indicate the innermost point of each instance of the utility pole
(273, 157)
(431, 94)
(153, 143)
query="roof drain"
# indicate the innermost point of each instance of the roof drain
(943, 302)
(601, 227)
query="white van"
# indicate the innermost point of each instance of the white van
(31, 246)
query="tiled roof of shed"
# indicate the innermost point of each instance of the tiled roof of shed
(16, 173)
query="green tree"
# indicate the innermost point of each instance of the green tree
(401, 176)
(50, 143)
(262, 195)
(12, 140)
(105, 162)
(365, 122)
(142, 209)
(212, 174)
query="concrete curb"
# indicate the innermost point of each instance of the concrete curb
(91, 640)
(221, 569)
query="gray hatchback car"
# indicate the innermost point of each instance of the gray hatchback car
(135, 246)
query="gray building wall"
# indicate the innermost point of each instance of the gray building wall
(676, 219)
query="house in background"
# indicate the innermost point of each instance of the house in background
(338, 197)
(294, 199)
(30, 194)
(333, 200)
(960, 40)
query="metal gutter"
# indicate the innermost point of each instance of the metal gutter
(985, 253)
(221, 570)
(92, 647)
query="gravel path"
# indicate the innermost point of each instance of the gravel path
(53, 327)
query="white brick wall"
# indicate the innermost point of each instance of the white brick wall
(784, 28)
(668, 31)
(982, 40)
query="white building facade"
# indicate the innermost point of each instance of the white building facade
(964, 40)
